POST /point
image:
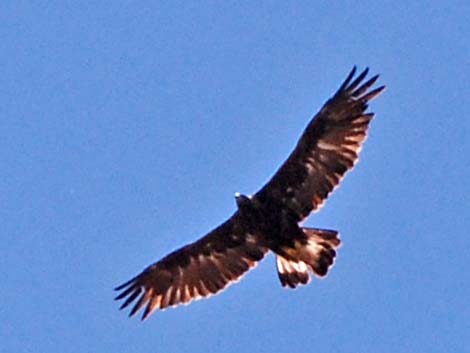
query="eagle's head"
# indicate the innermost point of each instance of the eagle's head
(243, 201)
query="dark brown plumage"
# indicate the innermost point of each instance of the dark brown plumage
(269, 220)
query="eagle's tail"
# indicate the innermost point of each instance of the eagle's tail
(316, 255)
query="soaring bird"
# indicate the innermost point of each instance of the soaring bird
(269, 219)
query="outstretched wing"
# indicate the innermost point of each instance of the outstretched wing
(195, 271)
(328, 148)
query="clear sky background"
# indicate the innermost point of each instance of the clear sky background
(127, 128)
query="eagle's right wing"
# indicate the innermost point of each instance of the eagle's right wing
(195, 271)
(328, 148)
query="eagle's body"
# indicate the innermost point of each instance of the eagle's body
(269, 220)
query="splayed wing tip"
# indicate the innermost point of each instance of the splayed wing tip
(365, 86)
(348, 79)
(125, 284)
(373, 94)
(358, 80)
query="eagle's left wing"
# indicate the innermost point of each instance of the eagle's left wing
(197, 270)
(328, 148)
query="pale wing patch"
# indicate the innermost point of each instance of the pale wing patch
(326, 146)
(169, 283)
(326, 165)
(327, 149)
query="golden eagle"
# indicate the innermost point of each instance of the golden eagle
(269, 220)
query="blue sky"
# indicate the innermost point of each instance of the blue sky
(128, 127)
